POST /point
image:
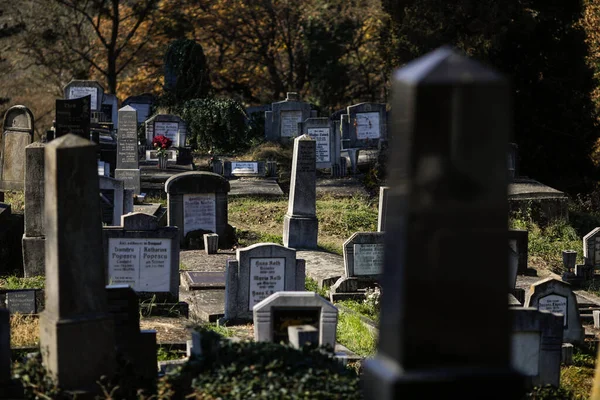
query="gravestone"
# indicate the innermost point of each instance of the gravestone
(448, 187)
(273, 315)
(367, 125)
(326, 138)
(34, 240)
(281, 123)
(300, 224)
(21, 301)
(18, 134)
(382, 209)
(142, 104)
(536, 345)
(244, 168)
(109, 110)
(73, 116)
(170, 126)
(76, 331)
(77, 89)
(112, 196)
(518, 240)
(144, 256)
(257, 272)
(556, 296)
(127, 150)
(197, 201)
(591, 248)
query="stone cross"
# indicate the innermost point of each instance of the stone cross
(76, 331)
(300, 224)
(448, 187)
(34, 236)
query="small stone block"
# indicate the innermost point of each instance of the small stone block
(566, 357)
(211, 243)
(569, 259)
(300, 335)
(596, 314)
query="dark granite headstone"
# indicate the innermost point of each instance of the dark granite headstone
(21, 301)
(73, 116)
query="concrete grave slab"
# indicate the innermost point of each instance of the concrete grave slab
(198, 280)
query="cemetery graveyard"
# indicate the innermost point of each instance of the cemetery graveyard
(128, 252)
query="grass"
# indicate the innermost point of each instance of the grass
(16, 199)
(15, 282)
(355, 336)
(312, 285)
(362, 308)
(24, 331)
(165, 354)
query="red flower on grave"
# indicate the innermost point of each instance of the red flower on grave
(161, 143)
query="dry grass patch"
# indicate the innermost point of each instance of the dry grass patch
(16, 199)
(24, 330)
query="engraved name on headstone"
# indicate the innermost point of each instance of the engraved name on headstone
(368, 259)
(73, 116)
(555, 304)
(367, 125)
(127, 141)
(289, 123)
(321, 136)
(267, 276)
(21, 301)
(199, 212)
(244, 168)
(167, 129)
(77, 92)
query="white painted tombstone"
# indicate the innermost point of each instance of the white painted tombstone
(170, 126)
(257, 272)
(142, 104)
(281, 123)
(273, 315)
(81, 88)
(18, 134)
(591, 248)
(557, 297)
(143, 255)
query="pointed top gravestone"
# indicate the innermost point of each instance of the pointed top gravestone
(448, 190)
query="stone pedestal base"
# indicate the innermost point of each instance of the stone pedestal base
(300, 232)
(77, 352)
(34, 256)
(385, 379)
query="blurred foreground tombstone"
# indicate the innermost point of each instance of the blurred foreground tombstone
(446, 234)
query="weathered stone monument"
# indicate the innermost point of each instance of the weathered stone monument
(448, 186)
(18, 134)
(144, 256)
(142, 104)
(127, 150)
(73, 116)
(300, 224)
(34, 240)
(326, 138)
(170, 126)
(76, 331)
(257, 272)
(281, 123)
(77, 89)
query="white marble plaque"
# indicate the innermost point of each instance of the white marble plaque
(267, 276)
(244, 168)
(199, 212)
(167, 129)
(556, 304)
(321, 136)
(143, 264)
(368, 259)
(367, 126)
(76, 92)
(289, 123)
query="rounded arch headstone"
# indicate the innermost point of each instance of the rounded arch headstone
(18, 134)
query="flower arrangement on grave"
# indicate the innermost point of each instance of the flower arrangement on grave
(161, 144)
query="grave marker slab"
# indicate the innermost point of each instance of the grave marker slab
(77, 89)
(273, 315)
(198, 280)
(18, 134)
(142, 104)
(21, 301)
(170, 126)
(367, 125)
(327, 140)
(127, 150)
(591, 248)
(259, 271)
(363, 254)
(518, 239)
(73, 116)
(281, 123)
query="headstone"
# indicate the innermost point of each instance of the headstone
(326, 138)
(73, 116)
(21, 301)
(144, 256)
(198, 201)
(127, 150)
(170, 126)
(76, 332)
(257, 272)
(243, 168)
(273, 316)
(382, 210)
(33, 242)
(448, 187)
(211, 243)
(566, 356)
(5, 358)
(591, 248)
(367, 125)
(142, 104)
(300, 224)
(77, 89)
(18, 134)
(518, 240)
(556, 296)
(363, 255)
(536, 345)
(281, 123)
(112, 196)
(569, 259)
(110, 107)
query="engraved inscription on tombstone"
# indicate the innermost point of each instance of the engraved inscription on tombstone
(77, 92)
(321, 136)
(368, 259)
(199, 212)
(21, 301)
(367, 125)
(289, 123)
(167, 129)
(306, 159)
(556, 304)
(127, 152)
(244, 168)
(73, 116)
(267, 276)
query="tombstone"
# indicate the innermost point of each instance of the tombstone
(300, 224)
(73, 116)
(127, 150)
(21, 301)
(556, 296)
(109, 110)
(77, 89)
(76, 331)
(382, 209)
(591, 248)
(442, 195)
(170, 126)
(326, 138)
(536, 342)
(257, 272)
(243, 168)
(518, 240)
(112, 196)
(18, 134)
(273, 315)
(144, 256)
(142, 104)
(33, 242)
(367, 125)
(281, 123)
(197, 201)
